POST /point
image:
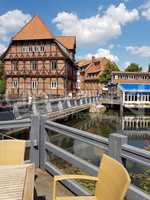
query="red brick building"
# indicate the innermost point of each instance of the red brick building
(37, 62)
(90, 71)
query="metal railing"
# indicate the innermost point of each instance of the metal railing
(44, 142)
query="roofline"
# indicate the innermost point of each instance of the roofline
(27, 24)
(122, 72)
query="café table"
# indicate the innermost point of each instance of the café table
(17, 182)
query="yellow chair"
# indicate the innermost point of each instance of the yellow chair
(111, 184)
(12, 152)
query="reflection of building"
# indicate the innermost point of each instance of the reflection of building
(136, 127)
(135, 95)
(90, 71)
(38, 62)
(136, 123)
(130, 77)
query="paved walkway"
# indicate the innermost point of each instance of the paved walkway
(44, 185)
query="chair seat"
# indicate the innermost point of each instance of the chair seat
(77, 198)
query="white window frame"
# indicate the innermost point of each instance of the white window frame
(15, 84)
(54, 65)
(34, 85)
(34, 65)
(54, 85)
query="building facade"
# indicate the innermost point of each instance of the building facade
(135, 95)
(90, 71)
(130, 77)
(38, 63)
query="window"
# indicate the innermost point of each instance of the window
(14, 66)
(42, 48)
(116, 76)
(53, 84)
(54, 64)
(15, 84)
(34, 65)
(34, 84)
(30, 49)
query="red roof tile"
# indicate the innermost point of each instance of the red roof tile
(34, 29)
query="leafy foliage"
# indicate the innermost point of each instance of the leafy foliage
(149, 68)
(133, 67)
(106, 75)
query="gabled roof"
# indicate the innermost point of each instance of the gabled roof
(34, 29)
(83, 63)
(68, 41)
(93, 69)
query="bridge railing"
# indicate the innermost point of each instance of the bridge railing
(50, 142)
(45, 106)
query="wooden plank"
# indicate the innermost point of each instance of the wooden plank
(29, 183)
(12, 182)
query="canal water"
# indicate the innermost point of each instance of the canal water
(135, 125)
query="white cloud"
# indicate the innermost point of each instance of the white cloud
(11, 22)
(143, 51)
(98, 29)
(2, 48)
(103, 53)
(145, 9)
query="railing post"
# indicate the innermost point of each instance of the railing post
(49, 107)
(34, 138)
(68, 103)
(81, 101)
(34, 108)
(42, 141)
(60, 106)
(115, 143)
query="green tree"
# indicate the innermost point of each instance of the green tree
(133, 67)
(106, 75)
(149, 68)
(1, 69)
(2, 86)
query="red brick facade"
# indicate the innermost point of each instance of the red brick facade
(90, 71)
(39, 65)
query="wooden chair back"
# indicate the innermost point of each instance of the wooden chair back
(12, 152)
(113, 181)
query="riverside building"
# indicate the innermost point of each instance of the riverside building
(36, 62)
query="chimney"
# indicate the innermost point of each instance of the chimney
(93, 59)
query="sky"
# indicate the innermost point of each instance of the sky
(118, 30)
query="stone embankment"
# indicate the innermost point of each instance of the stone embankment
(97, 108)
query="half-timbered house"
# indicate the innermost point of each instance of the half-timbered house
(38, 63)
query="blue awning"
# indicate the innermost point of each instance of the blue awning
(135, 87)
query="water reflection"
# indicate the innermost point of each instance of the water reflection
(136, 127)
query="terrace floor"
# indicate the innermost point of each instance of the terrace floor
(44, 185)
